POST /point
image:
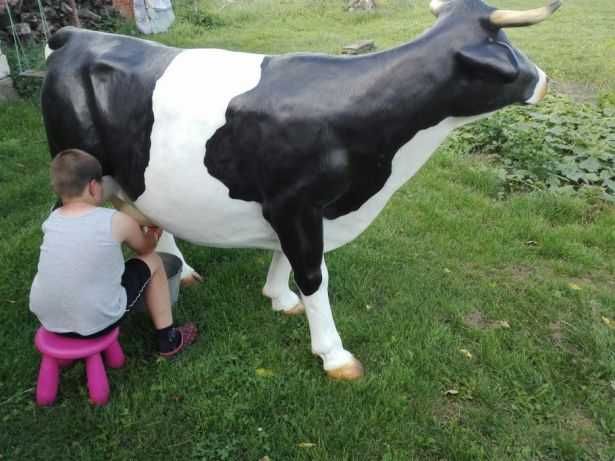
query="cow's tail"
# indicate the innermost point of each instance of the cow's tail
(59, 39)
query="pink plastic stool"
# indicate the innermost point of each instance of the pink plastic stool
(60, 351)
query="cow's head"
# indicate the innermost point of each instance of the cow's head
(488, 72)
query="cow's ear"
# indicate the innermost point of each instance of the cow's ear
(492, 60)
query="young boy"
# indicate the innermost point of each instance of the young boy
(83, 288)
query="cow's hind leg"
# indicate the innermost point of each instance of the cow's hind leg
(301, 235)
(283, 299)
(167, 244)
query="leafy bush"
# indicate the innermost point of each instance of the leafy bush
(198, 17)
(28, 88)
(558, 144)
(32, 57)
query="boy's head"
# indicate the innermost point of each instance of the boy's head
(72, 171)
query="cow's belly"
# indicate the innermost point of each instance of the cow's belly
(189, 105)
(406, 163)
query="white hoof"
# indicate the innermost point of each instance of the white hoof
(192, 279)
(299, 309)
(350, 372)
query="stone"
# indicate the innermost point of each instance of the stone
(50, 12)
(58, 13)
(363, 46)
(88, 14)
(65, 8)
(23, 30)
(30, 18)
(7, 92)
(5, 70)
(367, 5)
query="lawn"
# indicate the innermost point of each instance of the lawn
(485, 317)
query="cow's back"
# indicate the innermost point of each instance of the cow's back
(97, 96)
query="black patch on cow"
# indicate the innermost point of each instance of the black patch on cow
(97, 96)
(301, 129)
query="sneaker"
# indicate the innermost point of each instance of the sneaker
(188, 332)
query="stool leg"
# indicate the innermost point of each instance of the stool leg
(114, 356)
(98, 385)
(48, 380)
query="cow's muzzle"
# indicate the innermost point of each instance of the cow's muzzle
(540, 90)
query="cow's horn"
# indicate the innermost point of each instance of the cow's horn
(510, 18)
(436, 6)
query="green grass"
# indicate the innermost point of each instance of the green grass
(449, 245)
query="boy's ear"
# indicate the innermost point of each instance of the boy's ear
(490, 59)
(91, 187)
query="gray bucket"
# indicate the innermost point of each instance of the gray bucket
(173, 268)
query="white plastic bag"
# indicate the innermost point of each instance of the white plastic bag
(153, 16)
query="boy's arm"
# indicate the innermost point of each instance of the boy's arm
(127, 230)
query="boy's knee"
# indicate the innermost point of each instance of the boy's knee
(152, 260)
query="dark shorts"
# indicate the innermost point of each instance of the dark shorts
(135, 279)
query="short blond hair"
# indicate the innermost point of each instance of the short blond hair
(71, 171)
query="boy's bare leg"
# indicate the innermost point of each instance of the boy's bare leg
(157, 296)
(171, 339)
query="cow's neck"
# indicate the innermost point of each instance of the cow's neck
(413, 87)
(401, 118)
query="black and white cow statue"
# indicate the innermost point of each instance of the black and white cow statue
(295, 153)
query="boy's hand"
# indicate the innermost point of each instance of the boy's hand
(152, 232)
(142, 240)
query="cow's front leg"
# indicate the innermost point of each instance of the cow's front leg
(326, 342)
(167, 244)
(301, 236)
(283, 299)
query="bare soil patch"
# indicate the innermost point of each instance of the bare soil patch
(476, 321)
(578, 92)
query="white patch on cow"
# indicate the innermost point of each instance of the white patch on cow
(408, 160)
(541, 88)
(189, 105)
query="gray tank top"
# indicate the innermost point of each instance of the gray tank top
(78, 284)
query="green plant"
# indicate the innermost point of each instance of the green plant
(557, 145)
(197, 16)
